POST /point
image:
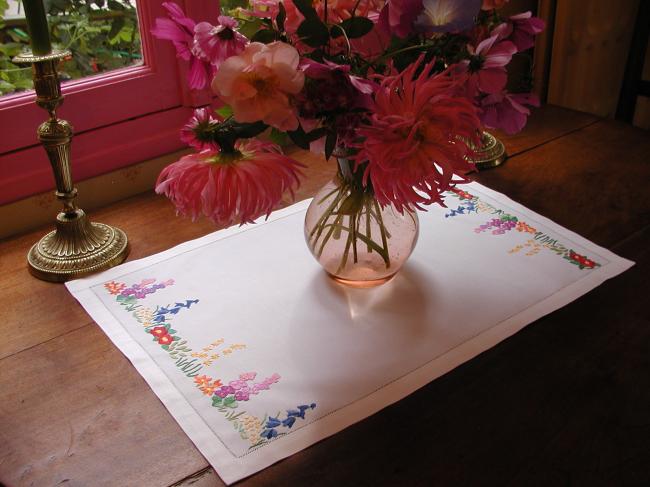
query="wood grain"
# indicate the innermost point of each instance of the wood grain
(593, 181)
(566, 400)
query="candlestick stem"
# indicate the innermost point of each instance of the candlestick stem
(77, 247)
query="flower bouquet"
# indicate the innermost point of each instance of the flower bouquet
(398, 91)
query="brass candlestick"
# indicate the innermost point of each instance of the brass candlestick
(76, 247)
(490, 153)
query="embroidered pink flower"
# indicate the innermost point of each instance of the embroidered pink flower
(246, 376)
(486, 68)
(236, 384)
(230, 187)
(507, 111)
(397, 17)
(242, 396)
(260, 83)
(180, 30)
(412, 145)
(447, 15)
(216, 43)
(196, 133)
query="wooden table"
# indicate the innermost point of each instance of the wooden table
(566, 401)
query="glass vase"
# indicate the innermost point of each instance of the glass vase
(356, 241)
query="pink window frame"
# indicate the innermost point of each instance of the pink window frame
(119, 118)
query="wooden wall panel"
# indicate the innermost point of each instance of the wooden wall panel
(590, 45)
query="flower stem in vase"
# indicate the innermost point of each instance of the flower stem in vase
(347, 231)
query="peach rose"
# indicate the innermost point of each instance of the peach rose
(259, 84)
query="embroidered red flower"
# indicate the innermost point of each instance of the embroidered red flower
(165, 339)
(158, 331)
(582, 260)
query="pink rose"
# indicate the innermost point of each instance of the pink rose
(259, 84)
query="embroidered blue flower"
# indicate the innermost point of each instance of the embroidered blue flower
(273, 422)
(288, 423)
(269, 433)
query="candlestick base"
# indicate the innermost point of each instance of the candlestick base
(76, 248)
(490, 153)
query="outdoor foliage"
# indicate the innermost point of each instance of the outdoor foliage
(102, 35)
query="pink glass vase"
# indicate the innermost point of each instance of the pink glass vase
(352, 237)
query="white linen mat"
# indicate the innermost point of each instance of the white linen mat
(258, 354)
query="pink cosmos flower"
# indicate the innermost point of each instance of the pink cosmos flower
(397, 17)
(521, 29)
(260, 83)
(492, 4)
(216, 43)
(447, 15)
(507, 111)
(180, 30)
(196, 132)
(412, 141)
(230, 187)
(486, 68)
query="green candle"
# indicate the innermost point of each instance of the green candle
(39, 33)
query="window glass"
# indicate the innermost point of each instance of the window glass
(103, 35)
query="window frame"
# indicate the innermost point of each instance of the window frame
(120, 118)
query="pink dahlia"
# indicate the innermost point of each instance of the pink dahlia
(180, 30)
(230, 187)
(196, 133)
(507, 111)
(260, 84)
(216, 43)
(413, 142)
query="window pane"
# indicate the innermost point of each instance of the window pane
(103, 35)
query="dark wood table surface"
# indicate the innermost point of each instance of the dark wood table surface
(566, 401)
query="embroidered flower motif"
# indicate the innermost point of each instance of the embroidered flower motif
(248, 375)
(159, 331)
(581, 260)
(165, 339)
(202, 380)
(114, 287)
(251, 425)
(524, 227)
(272, 423)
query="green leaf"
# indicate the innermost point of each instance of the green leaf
(216, 401)
(306, 9)
(330, 144)
(278, 137)
(357, 26)
(265, 36)
(313, 32)
(299, 137)
(224, 111)
(165, 347)
(116, 27)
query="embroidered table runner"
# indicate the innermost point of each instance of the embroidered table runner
(257, 354)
